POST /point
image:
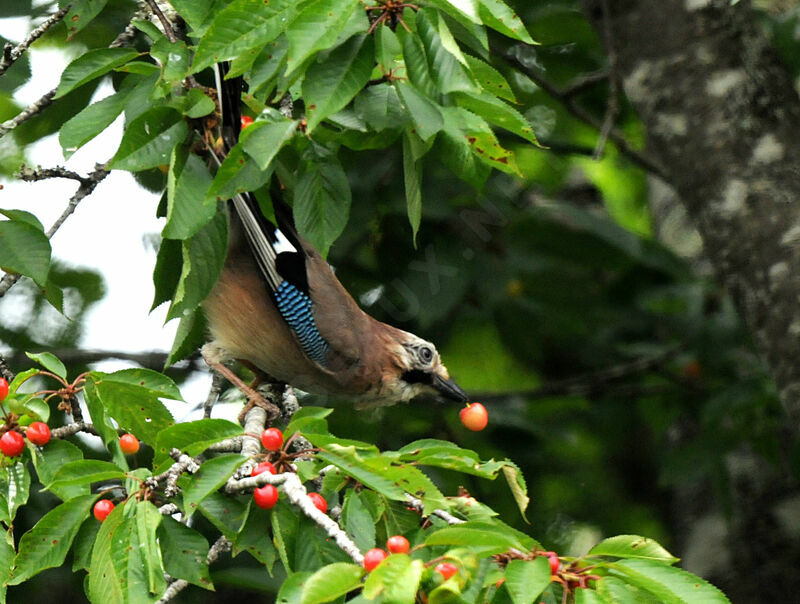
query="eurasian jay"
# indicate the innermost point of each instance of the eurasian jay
(278, 307)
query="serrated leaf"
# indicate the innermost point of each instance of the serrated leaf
(418, 66)
(315, 27)
(670, 584)
(188, 210)
(149, 139)
(92, 120)
(255, 539)
(380, 108)
(184, 551)
(479, 136)
(262, 140)
(212, 475)
(292, 589)
(83, 543)
(237, 174)
(85, 471)
(81, 13)
(193, 437)
(632, 546)
(225, 513)
(91, 65)
(490, 79)
(47, 543)
(50, 362)
(329, 85)
(330, 582)
(136, 408)
(357, 521)
(412, 177)
(425, 115)
(48, 460)
(590, 596)
(516, 482)
(23, 216)
(309, 419)
(190, 335)
(442, 53)
(203, 257)
(242, 27)
(396, 579)
(154, 381)
(500, 17)
(322, 199)
(148, 519)
(24, 249)
(173, 57)
(486, 537)
(104, 583)
(495, 111)
(17, 487)
(194, 104)
(527, 579)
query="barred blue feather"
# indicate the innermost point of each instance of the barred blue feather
(295, 307)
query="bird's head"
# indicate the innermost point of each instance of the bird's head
(418, 369)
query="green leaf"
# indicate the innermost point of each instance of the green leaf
(380, 107)
(396, 579)
(173, 57)
(241, 28)
(156, 382)
(330, 582)
(527, 579)
(50, 362)
(197, 13)
(485, 537)
(418, 66)
(149, 139)
(148, 519)
(322, 199)
(85, 471)
(499, 16)
(80, 14)
(442, 53)
(309, 419)
(497, 112)
(37, 409)
(184, 551)
(237, 174)
(17, 487)
(412, 177)
(136, 408)
(203, 257)
(47, 543)
(617, 591)
(632, 546)
(329, 85)
(211, 476)
(90, 65)
(49, 460)
(193, 437)
(490, 79)
(315, 27)
(194, 104)
(24, 249)
(590, 596)
(190, 335)
(425, 115)
(668, 583)
(188, 210)
(262, 140)
(91, 121)
(104, 584)
(255, 539)
(225, 513)
(482, 141)
(83, 543)
(285, 524)
(292, 589)
(357, 520)
(101, 422)
(23, 216)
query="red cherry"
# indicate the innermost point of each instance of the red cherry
(246, 121)
(266, 497)
(319, 502)
(555, 564)
(129, 444)
(397, 544)
(12, 443)
(474, 417)
(38, 433)
(446, 569)
(374, 557)
(272, 439)
(264, 466)
(3, 389)
(102, 509)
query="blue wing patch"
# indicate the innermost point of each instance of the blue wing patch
(295, 308)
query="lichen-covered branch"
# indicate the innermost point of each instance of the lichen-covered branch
(11, 53)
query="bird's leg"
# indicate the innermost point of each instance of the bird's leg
(253, 397)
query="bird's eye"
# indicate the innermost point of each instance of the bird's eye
(425, 354)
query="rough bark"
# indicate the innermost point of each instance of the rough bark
(721, 116)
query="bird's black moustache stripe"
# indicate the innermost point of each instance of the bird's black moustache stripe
(417, 376)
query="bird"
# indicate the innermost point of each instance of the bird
(278, 308)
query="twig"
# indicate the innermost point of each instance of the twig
(165, 23)
(444, 515)
(88, 185)
(217, 382)
(183, 463)
(579, 112)
(221, 546)
(37, 107)
(12, 53)
(584, 82)
(73, 428)
(612, 110)
(5, 370)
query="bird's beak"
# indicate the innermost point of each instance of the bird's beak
(449, 389)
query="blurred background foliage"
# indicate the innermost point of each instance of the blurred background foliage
(615, 370)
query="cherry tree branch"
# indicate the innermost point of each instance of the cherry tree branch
(221, 546)
(11, 53)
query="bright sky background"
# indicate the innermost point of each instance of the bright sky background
(107, 232)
